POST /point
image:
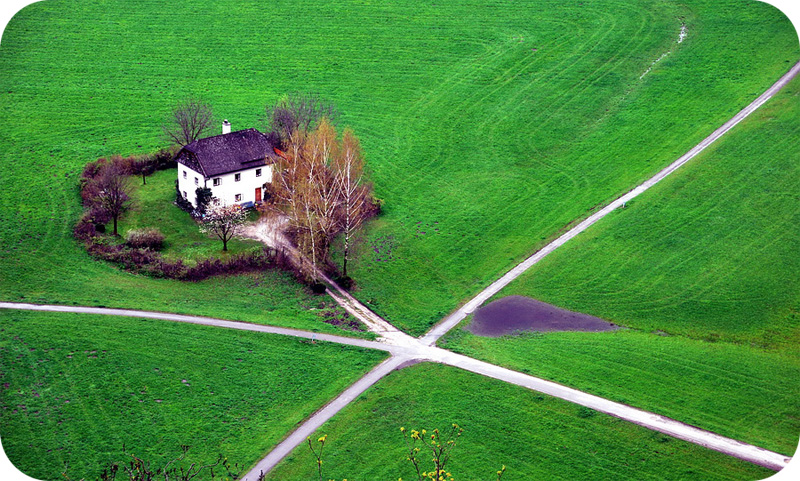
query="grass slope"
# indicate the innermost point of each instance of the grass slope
(495, 123)
(75, 388)
(535, 436)
(736, 391)
(708, 254)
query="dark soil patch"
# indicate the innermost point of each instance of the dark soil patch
(518, 313)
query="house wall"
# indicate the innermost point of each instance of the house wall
(228, 187)
(187, 185)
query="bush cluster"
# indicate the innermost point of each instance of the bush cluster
(94, 218)
(132, 165)
(151, 263)
(147, 238)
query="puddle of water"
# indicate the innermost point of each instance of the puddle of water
(518, 313)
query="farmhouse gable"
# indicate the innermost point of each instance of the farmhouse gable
(236, 166)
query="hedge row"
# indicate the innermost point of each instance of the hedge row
(148, 262)
(139, 258)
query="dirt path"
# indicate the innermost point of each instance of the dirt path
(415, 351)
(672, 427)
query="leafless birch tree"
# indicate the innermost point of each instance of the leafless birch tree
(355, 198)
(318, 185)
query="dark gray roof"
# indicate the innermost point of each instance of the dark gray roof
(226, 153)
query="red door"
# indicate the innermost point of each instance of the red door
(258, 194)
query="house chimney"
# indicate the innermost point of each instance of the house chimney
(226, 127)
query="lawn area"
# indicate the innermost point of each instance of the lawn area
(515, 143)
(735, 391)
(710, 253)
(487, 128)
(152, 206)
(708, 256)
(76, 388)
(535, 436)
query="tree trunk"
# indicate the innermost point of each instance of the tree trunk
(224, 245)
(115, 225)
(346, 254)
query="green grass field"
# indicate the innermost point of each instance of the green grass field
(709, 256)
(151, 206)
(535, 436)
(710, 253)
(76, 388)
(487, 128)
(735, 391)
(496, 124)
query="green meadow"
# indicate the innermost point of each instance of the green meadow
(735, 391)
(487, 127)
(76, 388)
(703, 269)
(709, 253)
(151, 206)
(534, 436)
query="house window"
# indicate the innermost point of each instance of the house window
(184, 195)
(238, 197)
(216, 181)
(215, 201)
(237, 177)
(184, 174)
(258, 172)
(196, 181)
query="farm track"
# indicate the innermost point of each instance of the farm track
(406, 351)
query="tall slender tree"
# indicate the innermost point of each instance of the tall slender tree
(355, 198)
(318, 185)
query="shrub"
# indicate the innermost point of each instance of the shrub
(181, 201)
(204, 197)
(147, 238)
(345, 282)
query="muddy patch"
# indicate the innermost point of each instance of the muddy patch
(518, 313)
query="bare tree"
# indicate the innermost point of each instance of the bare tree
(355, 198)
(189, 121)
(224, 222)
(303, 189)
(111, 191)
(318, 184)
(297, 112)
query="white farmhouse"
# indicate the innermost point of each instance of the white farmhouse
(236, 166)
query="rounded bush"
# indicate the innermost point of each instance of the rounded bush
(147, 238)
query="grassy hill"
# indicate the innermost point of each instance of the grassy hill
(496, 123)
(75, 388)
(534, 436)
(704, 269)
